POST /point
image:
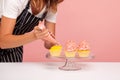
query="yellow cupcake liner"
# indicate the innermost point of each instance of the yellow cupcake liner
(56, 50)
(70, 54)
(83, 53)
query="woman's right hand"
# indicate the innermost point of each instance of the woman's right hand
(40, 34)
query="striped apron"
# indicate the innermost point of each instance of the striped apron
(25, 23)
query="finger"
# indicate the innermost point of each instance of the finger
(37, 28)
(44, 34)
(52, 34)
(41, 34)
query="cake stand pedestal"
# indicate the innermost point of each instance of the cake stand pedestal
(70, 65)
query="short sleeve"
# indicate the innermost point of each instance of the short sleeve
(1, 2)
(10, 9)
(51, 17)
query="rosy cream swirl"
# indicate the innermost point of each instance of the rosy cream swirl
(49, 37)
(70, 49)
(83, 46)
(71, 46)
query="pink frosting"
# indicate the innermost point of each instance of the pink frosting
(83, 46)
(71, 46)
(49, 37)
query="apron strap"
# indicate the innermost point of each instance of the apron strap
(27, 6)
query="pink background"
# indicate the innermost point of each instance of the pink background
(97, 21)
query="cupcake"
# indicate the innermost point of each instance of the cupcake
(56, 50)
(70, 49)
(83, 49)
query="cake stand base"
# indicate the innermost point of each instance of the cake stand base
(70, 65)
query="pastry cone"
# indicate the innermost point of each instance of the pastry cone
(49, 37)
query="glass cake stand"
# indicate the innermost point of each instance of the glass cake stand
(70, 62)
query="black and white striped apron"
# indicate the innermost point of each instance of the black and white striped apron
(24, 23)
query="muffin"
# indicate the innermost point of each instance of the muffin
(70, 49)
(83, 49)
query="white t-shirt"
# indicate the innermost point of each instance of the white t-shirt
(1, 1)
(13, 8)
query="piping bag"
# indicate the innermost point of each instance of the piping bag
(49, 37)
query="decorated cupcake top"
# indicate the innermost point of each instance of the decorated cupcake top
(83, 46)
(70, 46)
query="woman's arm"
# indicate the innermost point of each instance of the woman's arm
(7, 40)
(51, 28)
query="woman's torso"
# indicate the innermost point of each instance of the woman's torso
(20, 5)
(13, 8)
